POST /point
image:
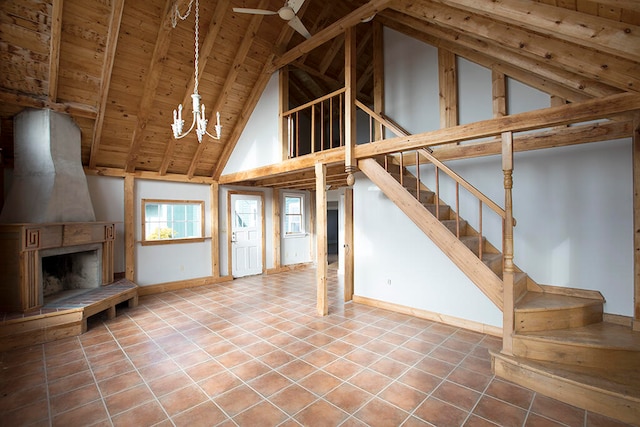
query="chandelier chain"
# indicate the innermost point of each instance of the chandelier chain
(176, 15)
(197, 55)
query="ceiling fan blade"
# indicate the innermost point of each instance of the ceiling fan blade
(254, 11)
(295, 5)
(297, 25)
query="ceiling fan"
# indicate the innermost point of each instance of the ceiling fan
(286, 12)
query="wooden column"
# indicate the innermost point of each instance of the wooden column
(350, 162)
(283, 128)
(499, 93)
(636, 221)
(378, 74)
(277, 220)
(508, 300)
(321, 240)
(348, 243)
(129, 228)
(214, 199)
(447, 72)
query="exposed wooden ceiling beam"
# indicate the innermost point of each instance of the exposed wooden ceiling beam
(613, 70)
(617, 38)
(54, 49)
(338, 27)
(547, 78)
(105, 81)
(28, 101)
(205, 52)
(151, 81)
(283, 38)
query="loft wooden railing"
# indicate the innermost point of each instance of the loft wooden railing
(316, 126)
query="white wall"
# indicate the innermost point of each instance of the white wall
(107, 196)
(258, 145)
(172, 262)
(573, 204)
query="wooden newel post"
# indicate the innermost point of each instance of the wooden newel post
(350, 162)
(508, 300)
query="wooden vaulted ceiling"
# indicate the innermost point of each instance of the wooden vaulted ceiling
(120, 68)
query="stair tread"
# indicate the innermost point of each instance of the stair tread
(603, 334)
(540, 301)
(625, 382)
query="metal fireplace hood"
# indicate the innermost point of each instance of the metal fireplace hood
(49, 184)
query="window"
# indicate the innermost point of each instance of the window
(172, 221)
(293, 210)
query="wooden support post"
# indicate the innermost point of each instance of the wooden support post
(275, 214)
(378, 75)
(636, 221)
(215, 236)
(321, 240)
(348, 244)
(129, 228)
(447, 71)
(350, 161)
(499, 93)
(508, 304)
(283, 128)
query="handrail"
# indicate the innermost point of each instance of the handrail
(484, 199)
(393, 127)
(314, 102)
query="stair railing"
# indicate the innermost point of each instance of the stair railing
(316, 126)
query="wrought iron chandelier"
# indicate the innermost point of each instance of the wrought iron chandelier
(199, 119)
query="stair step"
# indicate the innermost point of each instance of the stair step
(452, 225)
(612, 392)
(494, 262)
(444, 211)
(472, 243)
(599, 345)
(540, 311)
(426, 196)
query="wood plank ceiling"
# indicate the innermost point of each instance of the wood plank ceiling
(120, 68)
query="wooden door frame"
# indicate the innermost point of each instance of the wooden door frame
(229, 227)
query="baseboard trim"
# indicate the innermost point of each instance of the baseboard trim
(618, 319)
(430, 315)
(290, 267)
(181, 284)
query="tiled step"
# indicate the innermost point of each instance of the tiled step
(541, 311)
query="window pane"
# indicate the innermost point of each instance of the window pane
(293, 214)
(172, 220)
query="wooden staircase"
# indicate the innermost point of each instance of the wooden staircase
(561, 347)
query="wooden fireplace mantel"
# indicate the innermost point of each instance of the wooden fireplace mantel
(20, 264)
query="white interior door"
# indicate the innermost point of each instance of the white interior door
(246, 235)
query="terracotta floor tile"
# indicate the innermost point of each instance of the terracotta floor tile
(420, 380)
(440, 413)
(250, 370)
(233, 358)
(296, 370)
(73, 399)
(277, 358)
(477, 365)
(88, 414)
(457, 395)
(70, 368)
(119, 382)
(237, 400)
(204, 370)
(127, 399)
(182, 399)
(511, 393)
(158, 370)
(389, 367)
(320, 414)
(467, 378)
(402, 396)
(147, 414)
(169, 383)
(343, 368)
(362, 357)
(380, 413)
(263, 414)
(292, 399)
(499, 412)
(319, 358)
(32, 413)
(270, 383)
(348, 398)
(551, 408)
(71, 382)
(203, 415)
(320, 382)
(476, 421)
(535, 420)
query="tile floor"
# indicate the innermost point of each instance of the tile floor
(252, 352)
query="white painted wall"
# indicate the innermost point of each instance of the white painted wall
(173, 262)
(258, 145)
(107, 196)
(573, 205)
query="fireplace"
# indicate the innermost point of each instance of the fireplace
(71, 271)
(28, 250)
